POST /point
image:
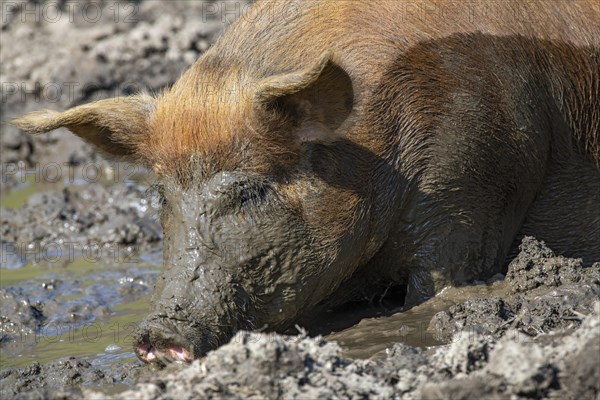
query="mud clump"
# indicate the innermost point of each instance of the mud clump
(257, 366)
(548, 292)
(61, 379)
(537, 266)
(581, 371)
(489, 315)
(18, 317)
(53, 380)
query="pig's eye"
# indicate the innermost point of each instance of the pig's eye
(252, 196)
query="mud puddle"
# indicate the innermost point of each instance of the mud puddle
(81, 315)
(82, 309)
(90, 311)
(411, 327)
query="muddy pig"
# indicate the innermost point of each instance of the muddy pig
(321, 148)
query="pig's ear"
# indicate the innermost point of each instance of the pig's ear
(115, 126)
(311, 103)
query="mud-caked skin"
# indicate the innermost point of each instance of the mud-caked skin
(349, 146)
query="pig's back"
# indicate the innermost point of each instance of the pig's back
(365, 36)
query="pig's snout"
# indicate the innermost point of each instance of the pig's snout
(161, 341)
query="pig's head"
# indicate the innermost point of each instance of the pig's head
(264, 202)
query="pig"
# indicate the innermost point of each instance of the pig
(326, 148)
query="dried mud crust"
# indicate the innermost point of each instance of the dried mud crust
(542, 342)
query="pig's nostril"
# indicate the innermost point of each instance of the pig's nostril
(146, 352)
(156, 344)
(180, 354)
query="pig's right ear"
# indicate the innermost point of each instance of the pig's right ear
(310, 104)
(115, 126)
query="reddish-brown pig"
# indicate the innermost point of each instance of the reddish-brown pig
(323, 145)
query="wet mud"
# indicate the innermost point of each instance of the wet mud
(488, 339)
(81, 251)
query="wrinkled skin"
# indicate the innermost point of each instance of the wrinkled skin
(359, 159)
(233, 249)
(238, 255)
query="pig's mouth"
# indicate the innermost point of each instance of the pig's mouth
(161, 342)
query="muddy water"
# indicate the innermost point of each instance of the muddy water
(90, 311)
(102, 342)
(18, 196)
(373, 335)
(106, 339)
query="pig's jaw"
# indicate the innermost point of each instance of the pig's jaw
(150, 354)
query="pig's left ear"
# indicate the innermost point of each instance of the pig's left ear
(116, 126)
(311, 103)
